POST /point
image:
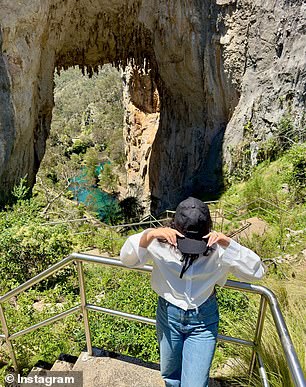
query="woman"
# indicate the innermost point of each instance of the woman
(188, 261)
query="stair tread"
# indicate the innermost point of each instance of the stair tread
(106, 371)
(61, 365)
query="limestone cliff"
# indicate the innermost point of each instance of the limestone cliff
(200, 72)
(265, 54)
(141, 101)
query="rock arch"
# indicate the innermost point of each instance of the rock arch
(199, 71)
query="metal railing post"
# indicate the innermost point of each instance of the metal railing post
(7, 338)
(258, 331)
(84, 306)
(262, 371)
(112, 241)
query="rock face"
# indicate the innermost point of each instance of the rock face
(201, 73)
(142, 111)
(265, 53)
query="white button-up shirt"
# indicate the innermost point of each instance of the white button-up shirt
(200, 278)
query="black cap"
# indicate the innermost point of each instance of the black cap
(192, 219)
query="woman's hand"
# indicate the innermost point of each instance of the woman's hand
(167, 233)
(218, 237)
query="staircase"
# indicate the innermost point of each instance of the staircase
(105, 369)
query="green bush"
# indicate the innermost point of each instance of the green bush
(79, 146)
(295, 175)
(65, 336)
(107, 179)
(21, 191)
(106, 244)
(233, 308)
(26, 250)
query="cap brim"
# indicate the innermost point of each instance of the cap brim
(191, 246)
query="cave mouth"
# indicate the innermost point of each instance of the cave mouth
(85, 148)
(186, 92)
(180, 68)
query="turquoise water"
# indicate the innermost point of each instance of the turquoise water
(85, 191)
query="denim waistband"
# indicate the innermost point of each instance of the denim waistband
(206, 313)
(196, 309)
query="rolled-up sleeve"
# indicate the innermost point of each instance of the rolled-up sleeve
(131, 254)
(242, 262)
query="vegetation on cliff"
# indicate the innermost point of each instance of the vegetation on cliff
(40, 230)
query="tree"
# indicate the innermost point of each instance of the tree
(107, 179)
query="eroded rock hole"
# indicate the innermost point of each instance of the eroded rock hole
(84, 156)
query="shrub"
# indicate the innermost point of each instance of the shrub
(233, 306)
(21, 191)
(29, 249)
(296, 173)
(47, 342)
(108, 241)
(79, 146)
(108, 180)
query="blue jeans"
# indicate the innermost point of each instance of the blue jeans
(187, 342)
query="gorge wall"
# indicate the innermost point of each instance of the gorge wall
(198, 75)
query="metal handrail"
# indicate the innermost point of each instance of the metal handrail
(267, 297)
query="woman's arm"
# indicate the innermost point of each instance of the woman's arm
(241, 261)
(131, 254)
(244, 263)
(134, 252)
